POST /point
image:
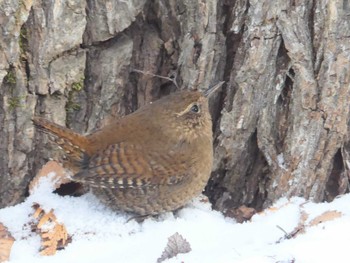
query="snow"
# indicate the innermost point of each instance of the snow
(101, 235)
(280, 160)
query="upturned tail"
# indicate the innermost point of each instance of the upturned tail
(74, 144)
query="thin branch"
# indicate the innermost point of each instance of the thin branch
(155, 75)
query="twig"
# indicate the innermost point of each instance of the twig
(290, 235)
(173, 80)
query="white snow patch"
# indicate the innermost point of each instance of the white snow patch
(280, 160)
(101, 235)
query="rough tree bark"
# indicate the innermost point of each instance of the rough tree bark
(281, 122)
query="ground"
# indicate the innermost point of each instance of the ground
(293, 230)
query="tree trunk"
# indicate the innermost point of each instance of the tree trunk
(280, 122)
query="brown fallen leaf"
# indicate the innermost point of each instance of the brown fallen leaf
(60, 177)
(6, 242)
(241, 214)
(302, 226)
(324, 217)
(273, 209)
(53, 234)
(176, 245)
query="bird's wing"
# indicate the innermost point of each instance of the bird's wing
(125, 165)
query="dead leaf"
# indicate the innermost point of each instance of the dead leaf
(241, 214)
(176, 245)
(6, 242)
(324, 217)
(53, 234)
(273, 209)
(302, 226)
(61, 176)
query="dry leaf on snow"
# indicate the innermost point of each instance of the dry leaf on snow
(176, 245)
(241, 214)
(324, 217)
(6, 242)
(53, 234)
(302, 226)
(60, 177)
(273, 209)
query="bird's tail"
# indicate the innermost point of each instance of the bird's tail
(74, 144)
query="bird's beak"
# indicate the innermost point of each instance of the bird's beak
(212, 89)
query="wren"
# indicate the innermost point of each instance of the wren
(151, 161)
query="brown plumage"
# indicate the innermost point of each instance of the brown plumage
(151, 161)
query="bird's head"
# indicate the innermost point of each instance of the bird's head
(186, 112)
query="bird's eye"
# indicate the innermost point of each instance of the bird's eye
(195, 108)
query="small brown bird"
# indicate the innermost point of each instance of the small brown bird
(151, 161)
